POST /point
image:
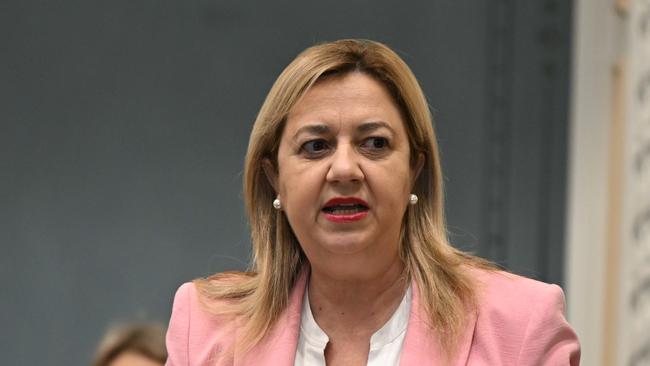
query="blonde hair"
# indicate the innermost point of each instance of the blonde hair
(147, 340)
(440, 271)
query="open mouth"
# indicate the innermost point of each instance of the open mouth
(345, 209)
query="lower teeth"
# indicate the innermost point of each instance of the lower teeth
(345, 212)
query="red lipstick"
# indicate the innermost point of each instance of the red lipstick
(345, 209)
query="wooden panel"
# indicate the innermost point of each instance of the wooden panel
(614, 214)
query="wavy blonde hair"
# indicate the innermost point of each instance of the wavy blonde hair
(440, 271)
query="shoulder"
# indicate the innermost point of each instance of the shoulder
(522, 320)
(195, 335)
(499, 291)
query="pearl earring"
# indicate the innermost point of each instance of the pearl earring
(277, 204)
(413, 199)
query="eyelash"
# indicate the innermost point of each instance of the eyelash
(304, 148)
(384, 141)
(371, 150)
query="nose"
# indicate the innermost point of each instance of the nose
(344, 165)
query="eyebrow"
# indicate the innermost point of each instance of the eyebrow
(321, 129)
(374, 126)
(312, 129)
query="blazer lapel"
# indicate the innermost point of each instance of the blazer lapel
(421, 343)
(278, 348)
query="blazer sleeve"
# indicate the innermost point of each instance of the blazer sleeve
(178, 331)
(548, 339)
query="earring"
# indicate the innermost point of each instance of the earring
(277, 204)
(413, 199)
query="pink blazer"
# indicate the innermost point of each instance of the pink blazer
(519, 322)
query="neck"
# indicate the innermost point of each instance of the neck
(358, 305)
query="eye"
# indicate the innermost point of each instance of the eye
(314, 147)
(375, 144)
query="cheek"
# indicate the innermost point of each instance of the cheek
(395, 193)
(300, 195)
(391, 182)
(300, 186)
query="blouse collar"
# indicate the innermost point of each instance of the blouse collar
(393, 328)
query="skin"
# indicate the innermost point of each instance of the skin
(133, 359)
(346, 138)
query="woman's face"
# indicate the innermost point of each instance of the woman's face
(344, 176)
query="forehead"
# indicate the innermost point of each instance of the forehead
(345, 100)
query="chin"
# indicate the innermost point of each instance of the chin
(350, 240)
(344, 246)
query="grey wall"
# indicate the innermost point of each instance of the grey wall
(124, 125)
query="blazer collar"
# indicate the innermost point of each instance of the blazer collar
(278, 348)
(421, 342)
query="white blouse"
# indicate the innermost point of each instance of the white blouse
(385, 344)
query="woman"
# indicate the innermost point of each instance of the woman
(351, 263)
(132, 345)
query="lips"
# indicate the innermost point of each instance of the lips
(345, 209)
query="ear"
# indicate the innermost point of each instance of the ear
(271, 173)
(418, 168)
